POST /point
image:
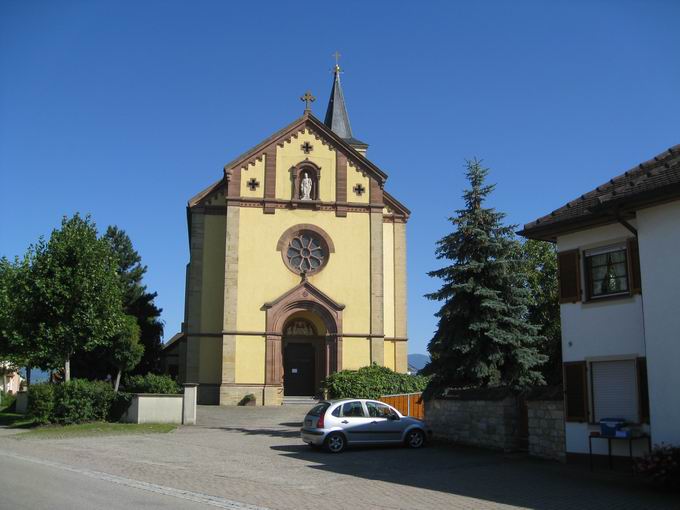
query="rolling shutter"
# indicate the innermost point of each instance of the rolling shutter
(634, 266)
(575, 391)
(615, 392)
(569, 272)
(643, 392)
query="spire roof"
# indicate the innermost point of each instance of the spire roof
(337, 118)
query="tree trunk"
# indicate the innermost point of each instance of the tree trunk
(67, 369)
(115, 386)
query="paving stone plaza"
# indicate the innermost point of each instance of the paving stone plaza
(253, 456)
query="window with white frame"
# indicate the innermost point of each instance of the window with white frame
(606, 271)
(615, 390)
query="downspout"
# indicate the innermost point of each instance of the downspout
(632, 229)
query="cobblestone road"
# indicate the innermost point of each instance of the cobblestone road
(254, 456)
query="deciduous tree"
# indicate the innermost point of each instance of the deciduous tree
(540, 259)
(75, 291)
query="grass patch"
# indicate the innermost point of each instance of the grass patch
(16, 421)
(95, 429)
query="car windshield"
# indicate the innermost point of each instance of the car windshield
(318, 409)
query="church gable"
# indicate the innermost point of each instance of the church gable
(271, 174)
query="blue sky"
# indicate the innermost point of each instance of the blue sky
(126, 109)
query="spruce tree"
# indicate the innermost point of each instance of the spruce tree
(483, 337)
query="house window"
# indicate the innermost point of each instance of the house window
(607, 271)
(615, 390)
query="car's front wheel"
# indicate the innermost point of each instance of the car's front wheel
(415, 438)
(335, 442)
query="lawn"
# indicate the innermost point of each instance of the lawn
(95, 429)
(20, 421)
(15, 421)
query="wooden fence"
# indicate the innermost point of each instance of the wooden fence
(408, 404)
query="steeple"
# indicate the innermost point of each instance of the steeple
(336, 114)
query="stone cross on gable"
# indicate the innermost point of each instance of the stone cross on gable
(308, 98)
(253, 184)
(359, 189)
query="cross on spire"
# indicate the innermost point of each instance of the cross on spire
(308, 98)
(337, 60)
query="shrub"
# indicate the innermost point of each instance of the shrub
(152, 383)
(250, 397)
(662, 466)
(372, 382)
(41, 402)
(7, 401)
(120, 405)
(80, 401)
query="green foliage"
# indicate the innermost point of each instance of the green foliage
(41, 402)
(152, 383)
(81, 401)
(540, 259)
(19, 325)
(483, 337)
(372, 382)
(126, 351)
(74, 291)
(138, 303)
(7, 401)
(75, 401)
(250, 397)
(662, 466)
(120, 404)
(137, 300)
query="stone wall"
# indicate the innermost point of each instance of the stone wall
(546, 429)
(486, 423)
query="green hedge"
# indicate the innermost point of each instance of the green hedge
(152, 383)
(372, 382)
(41, 402)
(77, 401)
(80, 401)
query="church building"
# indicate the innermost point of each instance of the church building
(297, 267)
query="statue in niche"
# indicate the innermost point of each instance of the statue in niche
(306, 187)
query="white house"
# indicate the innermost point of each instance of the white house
(619, 262)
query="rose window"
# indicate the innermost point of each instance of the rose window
(307, 252)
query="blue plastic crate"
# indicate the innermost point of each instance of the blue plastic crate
(609, 426)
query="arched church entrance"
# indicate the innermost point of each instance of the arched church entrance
(304, 340)
(304, 354)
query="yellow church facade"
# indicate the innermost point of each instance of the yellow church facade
(297, 267)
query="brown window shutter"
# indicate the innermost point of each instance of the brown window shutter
(643, 392)
(569, 270)
(575, 391)
(635, 282)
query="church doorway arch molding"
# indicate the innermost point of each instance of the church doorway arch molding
(302, 298)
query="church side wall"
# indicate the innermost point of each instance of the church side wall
(388, 281)
(400, 303)
(209, 344)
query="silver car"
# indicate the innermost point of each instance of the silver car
(336, 424)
